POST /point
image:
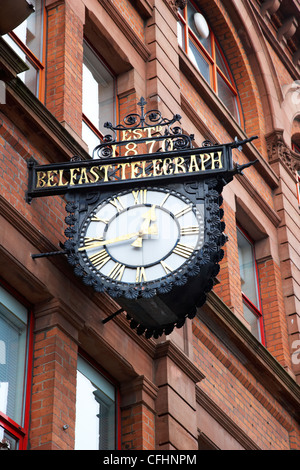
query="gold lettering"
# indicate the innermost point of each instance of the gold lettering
(183, 211)
(155, 168)
(140, 197)
(131, 147)
(179, 164)
(205, 157)
(166, 267)
(105, 168)
(123, 168)
(134, 170)
(152, 143)
(164, 199)
(117, 204)
(94, 173)
(50, 175)
(193, 164)
(140, 274)
(40, 179)
(117, 271)
(166, 144)
(83, 177)
(216, 160)
(137, 133)
(114, 147)
(73, 176)
(60, 181)
(100, 259)
(183, 250)
(124, 137)
(167, 167)
(192, 230)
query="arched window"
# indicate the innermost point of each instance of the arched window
(199, 42)
(27, 40)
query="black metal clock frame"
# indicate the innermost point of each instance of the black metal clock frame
(196, 276)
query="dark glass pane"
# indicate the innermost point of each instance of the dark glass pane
(204, 41)
(221, 64)
(247, 268)
(199, 61)
(253, 321)
(228, 97)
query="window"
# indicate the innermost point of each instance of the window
(96, 410)
(249, 281)
(27, 41)
(208, 58)
(99, 102)
(15, 370)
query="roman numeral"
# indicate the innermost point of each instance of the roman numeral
(117, 271)
(166, 267)
(183, 211)
(164, 199)
(140, 274)
(192, 230)
(97, 219)
(140, 197)
(183, 250)
(100, 259)
(117, 204)
(90, 240)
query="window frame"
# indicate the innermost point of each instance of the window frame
(38, 64)
(86, 357)
(85, 118)
(211, 59)
(257, 311)
(20, 431)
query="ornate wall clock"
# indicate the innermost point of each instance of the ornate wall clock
(144, 246)
(144, 218)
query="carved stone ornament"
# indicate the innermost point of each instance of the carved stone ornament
(175, 4)
(278, 150)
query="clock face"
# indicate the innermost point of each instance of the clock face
(141, 236)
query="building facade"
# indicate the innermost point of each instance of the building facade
(229, 377)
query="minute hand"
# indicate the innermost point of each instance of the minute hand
(128, 236)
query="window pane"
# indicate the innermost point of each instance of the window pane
(7, 440)
(89, 137)
(180, 34)
(95, 410)
(253, 321)
(98, 90)
(199, 61)
(221, 63)
(29, 77)
(13, 328)
(228, 97)
(31, 35)
(247, 268)
(30, 31)
(190, 13)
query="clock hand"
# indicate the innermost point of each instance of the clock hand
(121, 238)
(149, 217)
(112, 240)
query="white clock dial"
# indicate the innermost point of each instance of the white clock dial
(141, 236)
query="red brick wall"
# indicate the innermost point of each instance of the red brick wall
(229, 288)
(240, 395)
(64, 65)
(274, 318)
(138, 428)
(53, 391)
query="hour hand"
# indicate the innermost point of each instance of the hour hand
(138, 243)
(146, 228)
